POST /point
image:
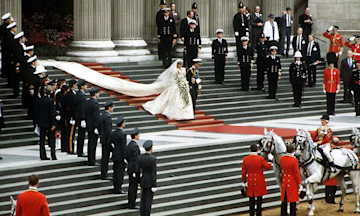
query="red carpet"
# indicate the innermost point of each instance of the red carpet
(285, 133)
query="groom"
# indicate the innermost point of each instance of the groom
(192, 76)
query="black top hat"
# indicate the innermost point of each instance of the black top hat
(325, 117)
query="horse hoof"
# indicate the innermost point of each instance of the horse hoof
(340, 210)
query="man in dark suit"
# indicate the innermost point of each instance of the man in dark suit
(184, 24)
(118, 141)
(159, 16)
(105, 133)
(45, 119)
(68, 113)
(348, 64)
(132, 152)
(245, 63)
(193, 78)
(147, 164)
(166, 36)
(262, 52)
(240, 25)
(219, 49)
(299, 41)
(306, 22)
(282, 30)
(288, 22)
(312, 58)
(256, 22)
(92, 112)
(80, 118)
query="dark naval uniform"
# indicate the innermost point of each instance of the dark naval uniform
(92, 122)
(118, 138)
(356, 88)
(194, 87)
(79, 113)
(166, 34)
(219, 54)
(262, 51)
(105, 133)
(132, 153)
(17, 59)
(297, 74)
(245, 59)
(273, 68)
(192, 43)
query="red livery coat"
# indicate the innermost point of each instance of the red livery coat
(252, 170)
(355, 48)
(32, 203)
(291, 178)
(331, 79)
(323, 134)
(331, 182)
(336, 42)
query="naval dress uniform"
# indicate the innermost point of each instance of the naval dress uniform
(245, 59)
(356, 88)
(105, 134)
(262, 51)
(291, 180)
(166, 34)
(32, 203)
(273, 68)
(219, 55)
(297, 72)
(92, 112)
(192, 44)
(252, 172)
(79, 113)
(191, 73)
(331, 81)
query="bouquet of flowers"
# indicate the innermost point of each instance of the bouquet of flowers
(184, 90)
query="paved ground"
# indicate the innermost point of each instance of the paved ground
(14, 158)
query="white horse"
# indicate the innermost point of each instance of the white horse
(309, 158)
(355, 140)
(274, 145)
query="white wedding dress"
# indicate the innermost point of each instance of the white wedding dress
(170, 102)
(175, 101)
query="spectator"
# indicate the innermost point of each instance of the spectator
(306, 22)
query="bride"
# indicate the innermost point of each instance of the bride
(175, 101)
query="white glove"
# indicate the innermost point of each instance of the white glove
(125, 161)
(236, 34)
(83, 124)
(300, 187)
(96, 131)
(153, 189)
(57, 118)
(340, 53)
(200, 87)
(112, 145)
(352, 92)
(270, 157)
(247, 34)
(337, 91)
(352, 39)
(198, 80)
(72, 122)
(324, 91)
(134, 175)
(330, 28)
(315, 144)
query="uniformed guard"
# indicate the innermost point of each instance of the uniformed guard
(297, 72)
(355, 47)
(291, 181)
(192, 44)
(312, 58)
(219, 49)
(322, 138)
(159, 16)
(17, 58)
(193, 78)
(80, 117)
(194, 9)
(356, 88)
(118, 141)
(245, 62)
(331, 83)
(253, 175)
(92, 113)
(336, 42)
(132, 153)
(262, 52)
(166, 36)
(7, 36)
(147, 164)
(67, 115)
(6, 18)
(34, 84)
(273, 70)
(240, 25)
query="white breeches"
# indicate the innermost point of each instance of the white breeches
(326, 149)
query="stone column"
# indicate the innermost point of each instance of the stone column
(276, 7)
(150, 36)
(14, 7)
(128, 22)
(221, 17)
(92, 29)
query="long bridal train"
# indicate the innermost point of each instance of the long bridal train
(173, 102)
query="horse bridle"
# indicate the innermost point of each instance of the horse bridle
(311, 158)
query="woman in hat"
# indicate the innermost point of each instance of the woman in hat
(175, 101)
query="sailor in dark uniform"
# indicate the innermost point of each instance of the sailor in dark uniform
(147, 164)
(297, 72)
(118, 141)
(3, 30)
(132, 153)
(273, 70)
(34, 84)
(105, 133)
(17, 60)
(6, 51)
(241, 25)
(80, 117)
(166, 36)
(29, 52)
(245, 62)
(219, 56)
(92, 113)
(262, 52)
(355, 78)
(192, 44)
